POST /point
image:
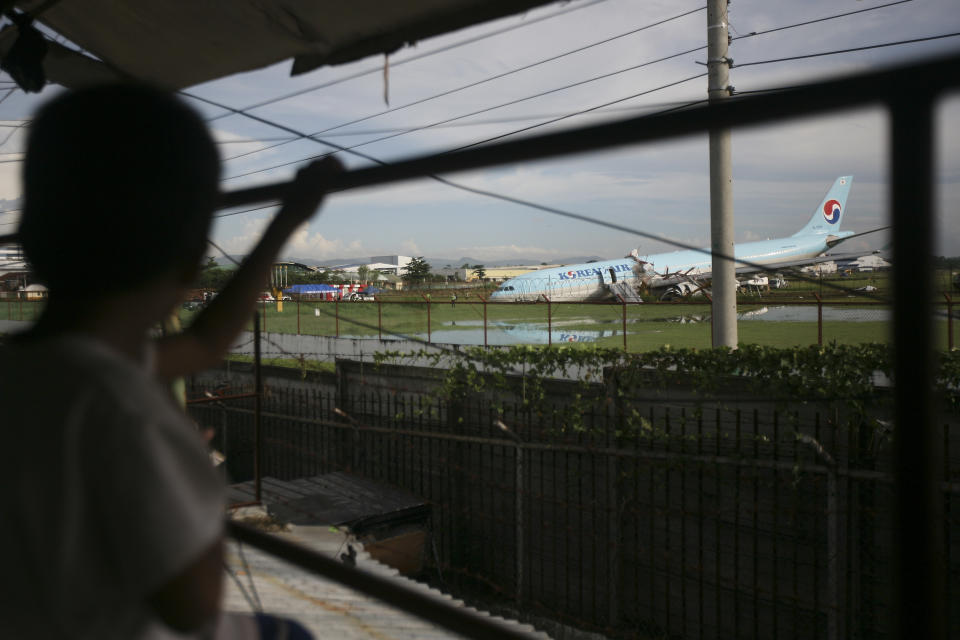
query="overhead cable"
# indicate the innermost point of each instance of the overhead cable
(569, 115)
(572, 51)
(505, 73)
(420, 56)
(513, 102)
(508, 120)
(851, 50)
(816, 20)
(510, 103)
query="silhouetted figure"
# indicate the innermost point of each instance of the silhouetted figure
(113, 513)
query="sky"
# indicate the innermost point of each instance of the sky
(780, 173)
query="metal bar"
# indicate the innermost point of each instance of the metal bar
(298, 315)
(819, 318)
(257, 408)
(918, 548)
(949, 321)
(428, 317)
(427, 607)
(549, 322)
(237, 396)
(623, 318)
(484, 301)
(857, 90)
(336, 311)
(380, 319)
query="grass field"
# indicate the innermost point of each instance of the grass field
(649, 326)
(853, 319)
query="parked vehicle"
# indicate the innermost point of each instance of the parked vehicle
(367, 294)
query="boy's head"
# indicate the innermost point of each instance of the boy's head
(120, 182)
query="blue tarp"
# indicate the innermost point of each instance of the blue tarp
(302, 289)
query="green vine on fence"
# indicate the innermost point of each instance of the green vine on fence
(851, 377)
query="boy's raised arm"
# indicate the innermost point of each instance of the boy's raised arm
(214, 329)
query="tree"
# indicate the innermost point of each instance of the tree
(214, 278)
(417, 270)
(479, 271)
(363, 272)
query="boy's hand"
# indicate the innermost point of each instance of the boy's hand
(305, 194)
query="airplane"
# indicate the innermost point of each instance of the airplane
(681, 273)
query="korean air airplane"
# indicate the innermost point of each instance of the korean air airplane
(682, 272)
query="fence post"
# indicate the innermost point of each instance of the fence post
(336, 313)
(428, 317)
(380, 318)
(819, 318)
(298, 315)
(257, 398)
(624, 320)
(484, 301)
(549, 322)
(949, 321)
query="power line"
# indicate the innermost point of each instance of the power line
(808, 22)
(505, 120)
(597, 43)
(583, 111)
(505, 104)
(236, 213)
(421, 56)
(550, 59)
(851, 50)
(501, 105)
(569, 115)
(504, 74)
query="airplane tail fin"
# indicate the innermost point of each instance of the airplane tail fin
(828, 216)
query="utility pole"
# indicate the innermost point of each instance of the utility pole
(721, 188)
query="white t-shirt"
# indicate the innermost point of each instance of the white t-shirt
(107, 492)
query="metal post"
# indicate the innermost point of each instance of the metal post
(298, 315)
(257, 402)
(949, 321)
(918, 551)
(484, 319)
(380, 319)
(520, 546)
(624, 320)
(721, 189)
(336, 311)
(428, 316)
(549, 322)
(819, 318)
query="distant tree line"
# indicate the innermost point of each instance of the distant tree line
(214, 277)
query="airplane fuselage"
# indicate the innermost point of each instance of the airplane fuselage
(589, 281)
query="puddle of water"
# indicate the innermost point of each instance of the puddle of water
(499, 333)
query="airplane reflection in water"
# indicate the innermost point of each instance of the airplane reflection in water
(681, 273)
(503, 334)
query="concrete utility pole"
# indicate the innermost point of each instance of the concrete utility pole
(721, 187)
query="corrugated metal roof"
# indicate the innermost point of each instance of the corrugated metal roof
(178, 43)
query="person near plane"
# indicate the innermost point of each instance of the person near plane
(113, 514)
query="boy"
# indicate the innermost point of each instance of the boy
(113, 514)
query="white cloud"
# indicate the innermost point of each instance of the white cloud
(302, 243)
(504, 252)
